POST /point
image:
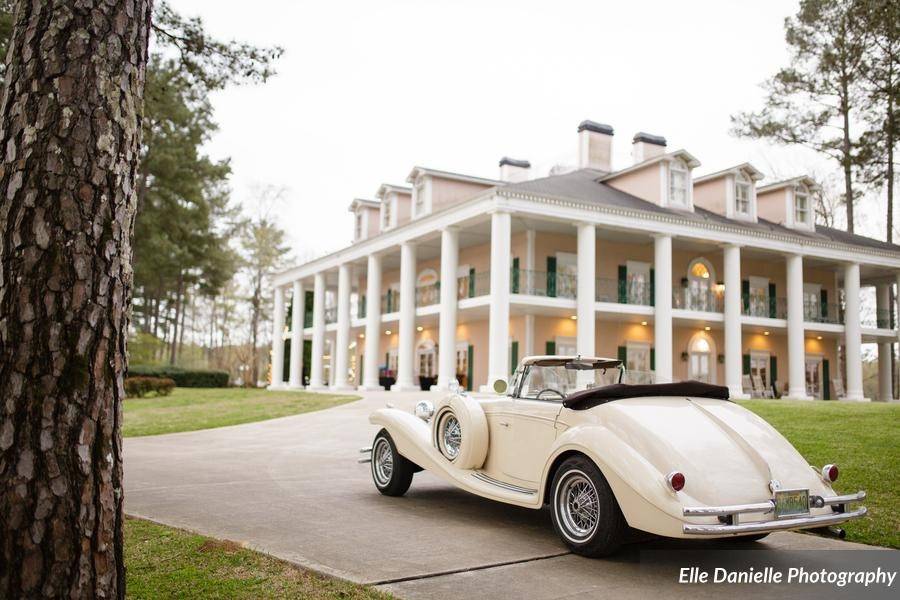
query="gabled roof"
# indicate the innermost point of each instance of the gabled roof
(754, 173)
(387, 188)
(417, 171)
(808, 181)
(362, 202)
(684, 155)
(587, 186)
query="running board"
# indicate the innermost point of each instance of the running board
(503, 485)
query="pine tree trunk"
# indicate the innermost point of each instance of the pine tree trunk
(70, 137)
(847, 159)
(173, 354)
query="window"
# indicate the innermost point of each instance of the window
(801, 205)
(637, 362)
(638, 282)
(386, 213)
(700, 352)
(699, 293)
(678, 182)
(358, 225)
(420, 198)
(759, 367)
(742, 196)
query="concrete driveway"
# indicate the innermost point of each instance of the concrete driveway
(292, 487)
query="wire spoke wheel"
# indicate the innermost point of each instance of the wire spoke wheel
(450, 436)
(382, 462)
(578, 505)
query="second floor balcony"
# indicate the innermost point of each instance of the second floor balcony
(698, 300)
(763, 305)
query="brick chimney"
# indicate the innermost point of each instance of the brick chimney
(646, 145)
(513, 170)
(595, 146)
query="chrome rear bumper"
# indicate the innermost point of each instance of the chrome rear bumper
(731, 526)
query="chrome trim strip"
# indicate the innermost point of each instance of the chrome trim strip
(723, 511)
(860, 495)
(795, 523)
(502, 484)
(365, 450)
(364, 460)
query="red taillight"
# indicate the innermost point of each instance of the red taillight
(830, 473)
(675, 481)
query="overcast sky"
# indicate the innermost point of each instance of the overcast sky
(366, 90)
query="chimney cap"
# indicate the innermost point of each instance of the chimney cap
(514, 162)
(595, 127)
(649, 138)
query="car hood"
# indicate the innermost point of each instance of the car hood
(727, 454)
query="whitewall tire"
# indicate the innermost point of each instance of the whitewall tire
(391, 472)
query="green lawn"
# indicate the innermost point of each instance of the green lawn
(863, 439)
(162, 562)
(189, 409)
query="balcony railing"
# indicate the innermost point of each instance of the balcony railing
(823, 312)
(688, 299)
(427, 295)
(878, 318)
(543, 283)
(390, 302)
(753, 305)
(473, 284)
(619, 291)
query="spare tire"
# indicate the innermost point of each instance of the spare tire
(460, 432)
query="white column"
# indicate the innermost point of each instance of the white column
(796, 349)
(342, 339)
(528, 284)
(733, 329)
(529, 336)
(407, 332)
(277, 340)
(447, 325)
(373, 324)
(853, 333)
(498, 332)
(885, 348)
(585, 296)
(662, 303)
(298, 309)
(318, 334)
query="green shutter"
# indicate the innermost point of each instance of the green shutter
(289, 313)
(823, 295)
(471, 282)
(773, 302)
(470, 362)
(745, 295)
(286, 365)
(307, 360)
(551, 276)
(826, 377)
(746, 363)
(623, 353)
(773, 368)
(623, 284)
(308, 310)
(652, 287)
(515, 275)
(652, 359)
(362, 364)
(551, 348)
(513, 356)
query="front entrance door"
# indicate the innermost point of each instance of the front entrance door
(814, 376)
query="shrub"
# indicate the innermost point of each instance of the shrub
(182, 377)
(138, 387)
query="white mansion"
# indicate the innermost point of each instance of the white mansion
(704, 277)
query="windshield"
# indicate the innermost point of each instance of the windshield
(556, 382)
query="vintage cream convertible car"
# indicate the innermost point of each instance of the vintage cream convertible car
(678, 460)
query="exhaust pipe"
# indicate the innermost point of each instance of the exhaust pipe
(832, 532)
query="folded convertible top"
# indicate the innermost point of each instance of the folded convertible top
(594, 396)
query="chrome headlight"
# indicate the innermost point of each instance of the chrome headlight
(424, 410)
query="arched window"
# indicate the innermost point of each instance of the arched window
(700, 359)
(426, 358)
(701, 282)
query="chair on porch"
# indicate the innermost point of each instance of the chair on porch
(759, 388)
(747, 385)
(837, 388)
(778, 390)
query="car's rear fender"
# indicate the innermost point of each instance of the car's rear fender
(646, 501)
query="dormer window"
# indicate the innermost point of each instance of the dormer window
(742, 196)
(386, 214)
(801, 205)
(419, 194)
(678, 183)
(358, 226)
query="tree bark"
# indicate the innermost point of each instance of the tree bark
(847, 158)
(70, 123)
(173, 355)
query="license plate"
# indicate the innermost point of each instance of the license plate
(789, 503)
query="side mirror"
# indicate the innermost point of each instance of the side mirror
(500, 386)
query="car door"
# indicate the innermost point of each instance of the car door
(531, 431)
